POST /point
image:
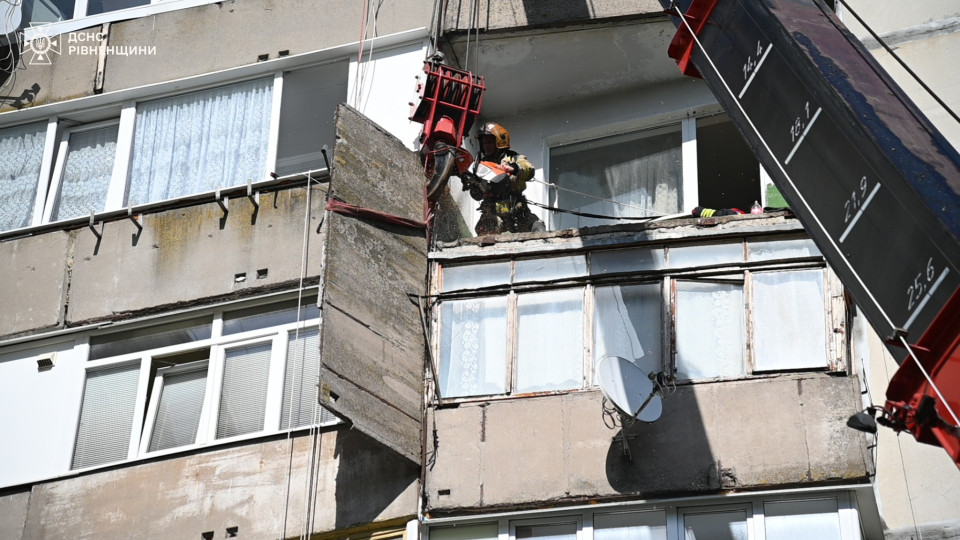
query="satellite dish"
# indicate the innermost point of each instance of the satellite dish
(629, 388)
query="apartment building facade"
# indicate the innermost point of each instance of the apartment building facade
(176, 314)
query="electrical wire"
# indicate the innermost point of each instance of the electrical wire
(611, 201)
(901, 62)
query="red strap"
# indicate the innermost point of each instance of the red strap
(341, 207)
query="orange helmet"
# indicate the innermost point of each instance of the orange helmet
(498, 132)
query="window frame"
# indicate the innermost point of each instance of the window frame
(688, 187)
(853, 521)
(667, 277)
(150, 374)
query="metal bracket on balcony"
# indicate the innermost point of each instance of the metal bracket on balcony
(93, 228)
(135, 219)
(224, 202)
(254, 196)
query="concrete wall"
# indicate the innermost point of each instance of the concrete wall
(264, 489)
(372, 337)
(180, 257)
(758, 434)
(459, 14)
(210, 38)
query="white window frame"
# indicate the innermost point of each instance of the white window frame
(59, 163)
(81, 20)
(145, 408)
(848, 513)
(740, 272)
(689, 184)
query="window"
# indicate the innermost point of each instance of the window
(722, 310)
(190, 383)
(21, 159)
(168, 148)
(831, 516)
(71, 15)
(653, 172)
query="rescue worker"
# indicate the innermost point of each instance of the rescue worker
(503, 208)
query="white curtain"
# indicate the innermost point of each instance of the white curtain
(716, 526)
(710, 330)
(643, 170)
(802, 519)
(789, 320)
(21, 155)
(550, 340)
(86, 173)
(651, 525)
(193, 143)
(473, 339)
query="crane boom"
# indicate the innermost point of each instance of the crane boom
(872, 180)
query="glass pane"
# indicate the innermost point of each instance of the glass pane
(178, 411)
(306, 116)
(626, 260)
(636, 174)
(630, 526)
(193, 143)
(550, 340)
(142, 339)
(790, 327)
(716, 526)
(300, 382)
(728, 172)
(473, 341)
(802, 519)
(710, 330)
(103, 6)
(781, 249)
(21, 155)
(475, 276)
(256, 318)
(486, 531)
(544, 269)
(558, 531)
(86, 173)
(243, 397)
(705, 254)
(106, 416)
(628, 323)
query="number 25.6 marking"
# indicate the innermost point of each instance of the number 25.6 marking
(921, 282)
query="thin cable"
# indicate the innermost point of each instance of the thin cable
(903, 466)
(363, 35)
(628, 205)
(930, 380)
(902, 63)
(589, 215)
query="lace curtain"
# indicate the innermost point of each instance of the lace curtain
(474, 347)
(86, 173)
(710, 330)
(642, 170)
(21, 155)
(193, 143)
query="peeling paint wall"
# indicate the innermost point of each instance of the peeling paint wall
(757, 434)
(263, 489)
(181, 257)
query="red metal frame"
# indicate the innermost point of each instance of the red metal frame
(909, 393)
(450, 101)
(682, 45)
